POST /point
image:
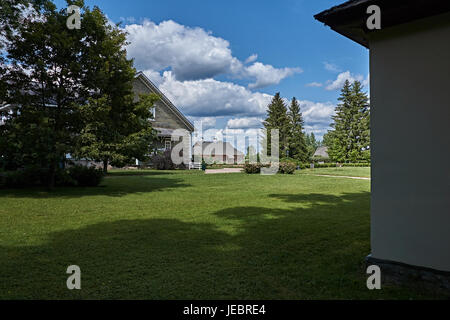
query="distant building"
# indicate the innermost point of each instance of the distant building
(322, 153)
(217, 152)
(166, 116)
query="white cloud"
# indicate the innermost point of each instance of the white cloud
(205, 122)
(154, 76)
(317, 129)
(331, 67)
(211, 98)
(342, 77)
(314, 84)
(244, 123)
(194, 54)
(191, 53)
(317, 112)
(252, 58)
(268, 75)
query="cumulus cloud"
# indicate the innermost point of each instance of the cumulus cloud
(316, 112)
(191, 53)
(342, 77)
(205, 122)
(212, 98)
(268, 75)
(194, 54)
(244, 123)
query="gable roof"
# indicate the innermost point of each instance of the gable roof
(220, 148)
(349, 18)
(152, 87)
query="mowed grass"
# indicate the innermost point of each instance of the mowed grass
(344, 171)
(186, 235)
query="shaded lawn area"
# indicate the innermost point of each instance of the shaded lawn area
(344, 171)
(186, 235)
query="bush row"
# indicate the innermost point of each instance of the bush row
(32, 176)
(333, 165)
(284, 167)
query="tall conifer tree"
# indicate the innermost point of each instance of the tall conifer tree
(296, 136)
(350, 135)
(277, 118)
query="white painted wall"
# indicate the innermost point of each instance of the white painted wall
(410, 113)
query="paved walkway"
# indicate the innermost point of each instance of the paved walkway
(329, 175)
(225, 170)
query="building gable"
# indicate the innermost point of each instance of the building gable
(167, 116)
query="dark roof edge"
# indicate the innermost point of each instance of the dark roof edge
(349, 18)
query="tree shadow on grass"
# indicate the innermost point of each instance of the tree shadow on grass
(121, 173)
(248, 253)
(112, 186)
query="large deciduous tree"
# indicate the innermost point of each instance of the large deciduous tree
(62, 82)
(44, 81)
(115, 127)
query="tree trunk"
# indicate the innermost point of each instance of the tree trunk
(105, 166)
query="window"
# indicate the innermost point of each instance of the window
(168, 145)
(153, 116)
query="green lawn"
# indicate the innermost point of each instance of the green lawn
(186, 235)
(345, 171)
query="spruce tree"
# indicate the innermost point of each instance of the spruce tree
(277, 118)
(296, 136)
(363, 118)
(350, 135)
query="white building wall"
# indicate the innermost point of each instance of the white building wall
(410, 113)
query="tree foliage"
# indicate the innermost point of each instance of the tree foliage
(296, 136)
(277, 118)
(71, 92)
(349, 140)
(115, 127)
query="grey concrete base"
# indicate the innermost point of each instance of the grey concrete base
(405, 274)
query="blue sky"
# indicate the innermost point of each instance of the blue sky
(220, 61)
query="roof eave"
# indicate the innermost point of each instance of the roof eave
(349, 19)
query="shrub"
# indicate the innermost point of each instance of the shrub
(64, 179)
(163, 161)
(287, 167)
(85, 176)
(252, 168)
